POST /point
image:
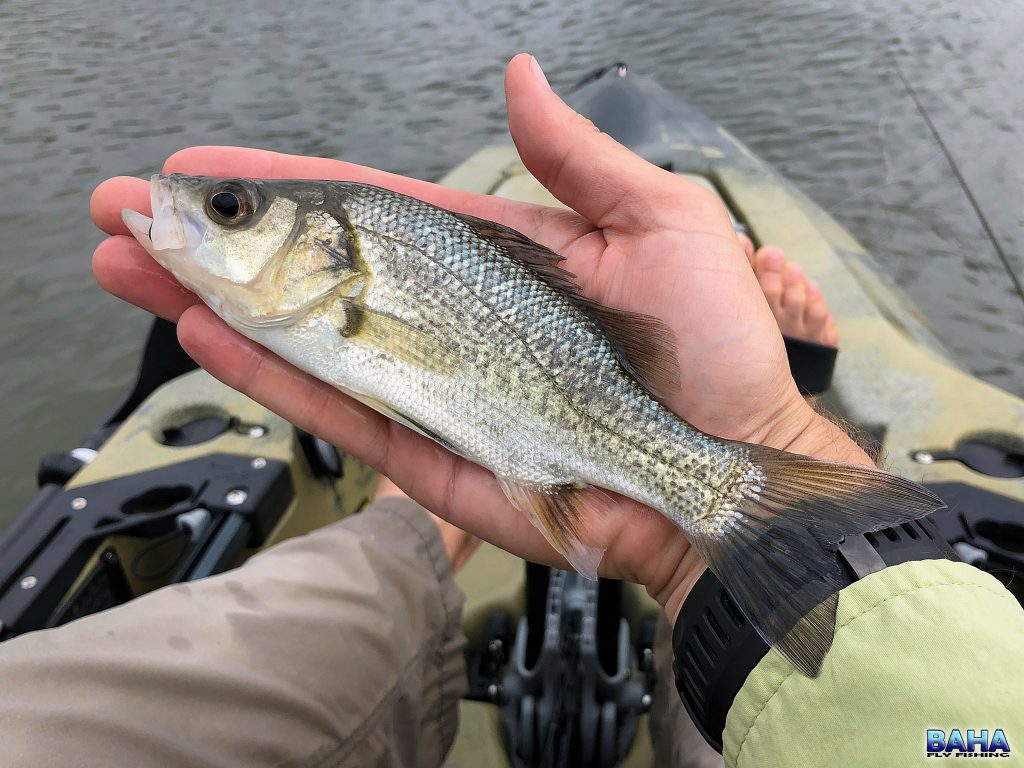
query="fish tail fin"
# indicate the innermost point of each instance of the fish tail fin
(777, 555)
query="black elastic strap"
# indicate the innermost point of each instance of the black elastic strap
(811, 364)
(715, 648)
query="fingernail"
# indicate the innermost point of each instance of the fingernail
(796, 271)
(538, 72)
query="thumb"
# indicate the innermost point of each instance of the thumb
(588, 170)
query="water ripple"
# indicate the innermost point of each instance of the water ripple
(89, 90)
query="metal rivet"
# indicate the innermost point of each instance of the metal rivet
(645, 700)
(78, 503)
(28, 582)
(257, 431)
(259, 463)
(236, 497)
(493, 691)
(923, 457)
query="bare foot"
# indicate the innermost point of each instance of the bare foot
(797, 302)
(459, 545)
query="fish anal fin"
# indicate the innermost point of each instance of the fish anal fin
(645, 346)
(562, 513)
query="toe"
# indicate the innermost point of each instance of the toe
(769, 264)
(793, 274)
(794, 303)
(814, 292)
(748, 246)
(816, 318)
(830, 336)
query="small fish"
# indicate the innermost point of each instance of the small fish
(474, 335)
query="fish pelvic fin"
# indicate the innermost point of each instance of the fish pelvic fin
(561, 513)
(776, 553)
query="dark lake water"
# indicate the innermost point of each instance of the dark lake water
(94, 89)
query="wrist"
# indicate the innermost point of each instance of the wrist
(799, 428)
(821, 438)
(458, 544)
(672, 592)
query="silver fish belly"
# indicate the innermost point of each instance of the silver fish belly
(473, 335)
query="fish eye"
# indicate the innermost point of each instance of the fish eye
(230, 203)
(226, 204)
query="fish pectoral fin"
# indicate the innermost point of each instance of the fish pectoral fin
(395, 336)
(562, 513)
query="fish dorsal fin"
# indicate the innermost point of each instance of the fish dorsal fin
(644, 345)
(542, 261)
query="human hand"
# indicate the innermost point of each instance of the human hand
(640, 239)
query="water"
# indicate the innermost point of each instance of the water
(93, 89)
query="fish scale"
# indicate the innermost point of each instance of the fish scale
(469, 333)
(561, 340)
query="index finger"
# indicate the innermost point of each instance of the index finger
(554, 228)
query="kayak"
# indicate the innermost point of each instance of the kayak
(186, 478)
(935, 423)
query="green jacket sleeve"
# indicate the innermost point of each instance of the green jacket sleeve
(919, 646)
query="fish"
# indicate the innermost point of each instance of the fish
(474, 335)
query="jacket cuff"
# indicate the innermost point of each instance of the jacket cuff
(918, 646)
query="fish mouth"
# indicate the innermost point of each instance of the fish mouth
(176, 236)
(164, 231)
(171, 236)
(139, 225)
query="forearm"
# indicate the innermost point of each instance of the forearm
(340, 647)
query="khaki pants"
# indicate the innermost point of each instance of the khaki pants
(340, 648)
